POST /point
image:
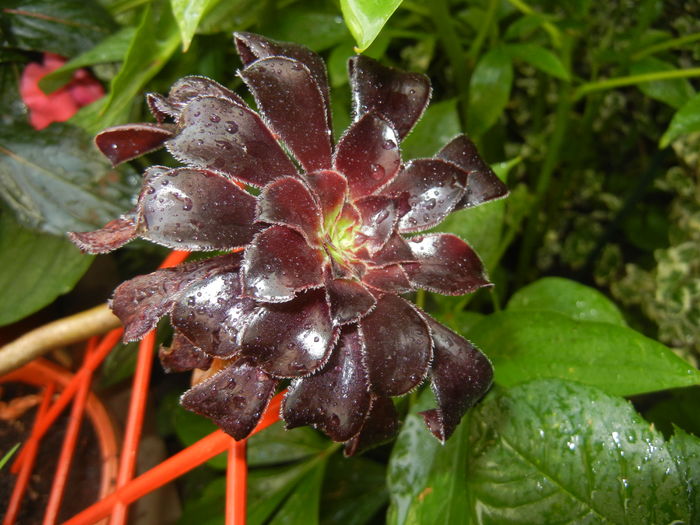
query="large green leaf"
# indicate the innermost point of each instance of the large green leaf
(111, 49)
(65, 27)
(569, 298)
(354, 489)
(36, 268)
(276, 445)
(551, 451)
(365, 18)
(547, 451)
(525, 345)
(301, 507)
(56, 181)
(314, 26)
(686, 120)
(489, 90)
(674, 92)
(188, 14)
(439, 125)
(539, 58)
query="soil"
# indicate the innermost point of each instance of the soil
(83, 483)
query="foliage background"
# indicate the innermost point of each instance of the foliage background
(588, 109)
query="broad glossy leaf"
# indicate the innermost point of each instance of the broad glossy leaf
(276, 445)
(378, 220)
(196, 210)
(395, 251)
(432, 188)
(674, 92)
(398, 96)
(368, 155)
(234, 398)
(291, 339)
(569, 298)
(686, 120)
(539, 58)
(190, 87)
(278, 264)
(65, 27)
(489, 90)
(331, 189)
(182, 355)
(438, 126)
(335, 399)
(398, 346)
(111, 49)
(381, 425)
(220, 135)
(301, 507)
(293, 104)
(188, 13)
(576, 454)
(36, 268)
(349, 300)
(365, 18)
(446, 265)
(128, 141)
(315, 25)
(391, 279)
(354, 490)
(55, 182)
(211, 314)
(287, 201)
(525, 345)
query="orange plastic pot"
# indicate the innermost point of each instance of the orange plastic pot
(42, 372)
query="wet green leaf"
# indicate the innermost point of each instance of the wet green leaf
(111, 49)
(354, 489)
(366, 18)
(686, 120)
(526, 345)
(539, 58)
(188, 14)
(674, 92)
(310, 25)
(64, 27)
(36, 268)
(569, 298)
(439, 125)
(301, 507)
(489, 90)
(575, 455)
(56, 181)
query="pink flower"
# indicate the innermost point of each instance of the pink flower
(63, 103)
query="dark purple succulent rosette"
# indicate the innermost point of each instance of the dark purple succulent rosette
(310, 291)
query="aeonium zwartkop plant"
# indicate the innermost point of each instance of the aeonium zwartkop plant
(310, 287)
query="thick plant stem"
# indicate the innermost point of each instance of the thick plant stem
(66, 331)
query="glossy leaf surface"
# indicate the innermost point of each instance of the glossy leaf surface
(548, 344)
(349, 300)
(122, 143)
(365, 18)
(219, 135)
(397, 354)
(380, 426)
(182, 355)
(288, 202)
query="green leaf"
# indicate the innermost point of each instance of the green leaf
(526, 345)
(686, 120)
(366, 18)
(551, 451)
(567, 297)
(65, 27)
(315, 27)
(155, 40)
(36, 268)
(8, 455)
(439, 125)
(301, 507)
(276, 445)
(674, 92)
(56, 181)
(208, 508)
(489, 90)
(111, 49)
(539, 58)
(354, 489)
(188, 14)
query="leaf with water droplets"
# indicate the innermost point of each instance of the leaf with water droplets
(378, 220)
(397, 346)
(399, 96)
(336, 399)
(349, 300)
(368, 155)
(126, 142)
(182, 355)
(233, 398)
(381, 425)
(432, 188)
(293, 104)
